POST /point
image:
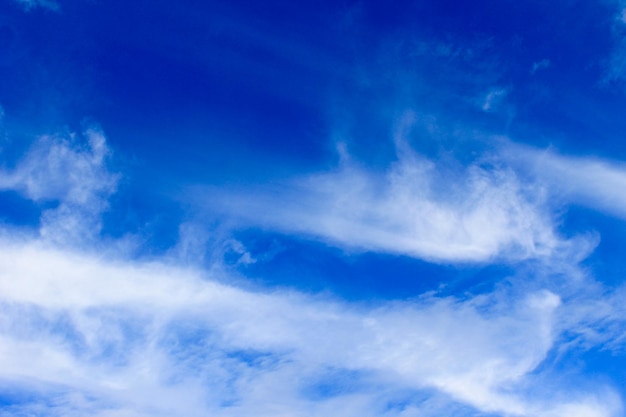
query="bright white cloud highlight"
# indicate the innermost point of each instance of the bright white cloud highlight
(415, 208)
(115, 338)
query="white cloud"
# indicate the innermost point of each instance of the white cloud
(415, 207)
(592, 182)
(597, 317)
(110, 337)
(70, 173)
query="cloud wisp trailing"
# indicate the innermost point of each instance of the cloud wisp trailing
(120, 338)
(480, 215)
(504, 206)
(416, 207)
(588, 181)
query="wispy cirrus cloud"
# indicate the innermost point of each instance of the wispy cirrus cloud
(479, 215)
(99, 333)
(88, 327)
(592, 182)
(127, 338)
(416, 207)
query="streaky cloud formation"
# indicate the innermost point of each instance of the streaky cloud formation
(483, 214)
(588, 181)
(206, 259)
(416, 207)
(126, 338)
(95, 332)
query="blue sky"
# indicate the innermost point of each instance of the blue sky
(234, 208)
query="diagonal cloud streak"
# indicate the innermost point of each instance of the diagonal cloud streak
(414, 208)
(114, 331)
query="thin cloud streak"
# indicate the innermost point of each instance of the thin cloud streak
(503, 207)
(591, 182)
(414, 208)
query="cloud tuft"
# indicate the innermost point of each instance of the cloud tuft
(73, 176)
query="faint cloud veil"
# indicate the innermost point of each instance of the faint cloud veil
(29, 5)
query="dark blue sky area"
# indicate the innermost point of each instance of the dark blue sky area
(276, 78)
